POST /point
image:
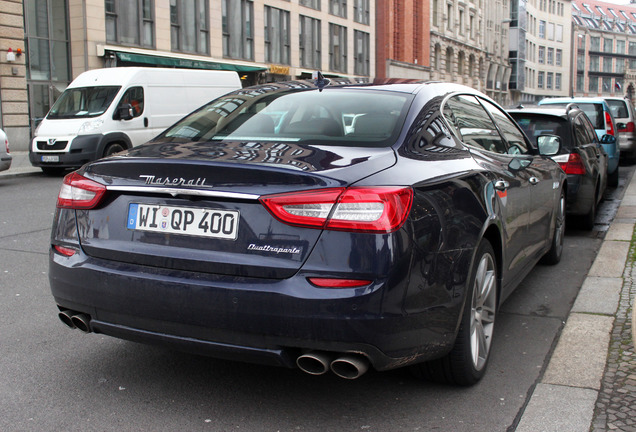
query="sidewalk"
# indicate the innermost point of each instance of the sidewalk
(590, 381)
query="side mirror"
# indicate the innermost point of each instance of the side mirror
(608, 139)
(549, 145)
(125, 112)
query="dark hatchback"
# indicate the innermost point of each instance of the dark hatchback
(322, 227)
(581, 157)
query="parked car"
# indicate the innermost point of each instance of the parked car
(257, 229)
(5, 154)
(601, 117)
(623, 111)
(581, 155)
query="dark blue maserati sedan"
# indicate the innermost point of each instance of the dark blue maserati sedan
(328, 227)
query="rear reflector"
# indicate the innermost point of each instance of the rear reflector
(338, 283)
(78, 192)
(362, 209)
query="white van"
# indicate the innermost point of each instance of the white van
(104, 111)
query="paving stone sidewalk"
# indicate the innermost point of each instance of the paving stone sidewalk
(615, 408)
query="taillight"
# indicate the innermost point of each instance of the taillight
(372, 209)
(629, 127)
(609, 123)
(338, 283)
(64, 250)
(6, 145)
(78, 192)
(574, 164)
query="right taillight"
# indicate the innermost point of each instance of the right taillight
(629, 127)
(78, 192)
(573, 164)
(6, 145)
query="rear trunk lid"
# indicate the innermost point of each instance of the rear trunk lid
(195, 207)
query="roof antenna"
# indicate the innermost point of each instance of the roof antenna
(320, 80)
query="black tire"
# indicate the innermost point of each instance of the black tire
(113, 148)
(612, 179)
(587, 221)
(466, 363)
(553, 256)
(53, 171)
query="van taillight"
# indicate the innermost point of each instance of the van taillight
(609, 123)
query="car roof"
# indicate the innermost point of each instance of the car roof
(562, 112)
(574, 100)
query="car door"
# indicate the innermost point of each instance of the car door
(509, 179)
(597, 159)
(136, 128)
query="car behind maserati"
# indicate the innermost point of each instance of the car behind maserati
(328, 227)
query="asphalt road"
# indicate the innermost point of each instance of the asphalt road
(53, 378)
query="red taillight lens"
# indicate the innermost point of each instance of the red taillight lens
(78, 192)
(65, 251)
(574, 165)
(374, 209)
(6, 145)
(629, 127)
(338, 283)
(609, 123)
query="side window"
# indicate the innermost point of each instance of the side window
(516, 141)
(135, 97)
(473, 123)
(589, 128)
(580, 132)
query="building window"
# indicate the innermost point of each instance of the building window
(550, 56)
(620, 47)
(189, 27)
(314, 4)
(550, 31)
(540, 78)
(557, 81)
(310, 48)
(607, 85)
(548, 81)
(580, 83)
(607, 64)
(361, 11)
(337, 48)
(449, 17)
(277, 36)
(608, 45)
(595, 44)
(461, 22)
(541, 54)
(362, 53)
(559, 57)
(130, 22)
(559, 33)
(449, 60)
(620, 66)
(593, 84)
(338, 8)
(594, 63)
(238, 29)
(435, 12)
(542, 29)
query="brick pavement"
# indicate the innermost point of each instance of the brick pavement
(615, 408)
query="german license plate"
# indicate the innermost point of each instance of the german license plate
(51, 158)
(202, 222)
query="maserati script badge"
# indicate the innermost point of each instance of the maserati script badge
(174, 181)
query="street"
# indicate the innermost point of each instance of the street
(54, 378)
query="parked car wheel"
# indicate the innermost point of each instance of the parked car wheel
(467, 361)
(587, 221)
(612, 179)
(113, 148)
(556, 250)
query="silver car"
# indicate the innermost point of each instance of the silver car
(5, 155)
(625, 116)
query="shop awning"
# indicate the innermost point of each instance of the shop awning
(184, 63)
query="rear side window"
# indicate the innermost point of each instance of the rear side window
(534, 125)
(618, 108)
(583, 132)
(473, 124)
(594, 112)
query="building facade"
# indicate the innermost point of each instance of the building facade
(403, 39)
(540, 47)
(263, 40)
(604, 35)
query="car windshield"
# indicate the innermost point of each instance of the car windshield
(333, 117)
(83, 102)
(535, 125)
(618, 108)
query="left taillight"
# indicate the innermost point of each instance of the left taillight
(80, 193)
(380, 209)
(609, 124)
(6, 145)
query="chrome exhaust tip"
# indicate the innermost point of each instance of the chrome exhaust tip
(82, 322)
(67, 318)
(350, 366)
(314, 362)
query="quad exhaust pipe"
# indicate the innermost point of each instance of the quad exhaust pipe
(347, 366)
(75, 320)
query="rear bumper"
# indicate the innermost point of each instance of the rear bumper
(249, 319)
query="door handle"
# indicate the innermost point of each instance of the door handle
(145, 121)
(501, 185)
(533, 180)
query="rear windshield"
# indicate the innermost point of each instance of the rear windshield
(593, 110)
(365, 118)
(83, 102)
(534, 125)
(618, 108)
